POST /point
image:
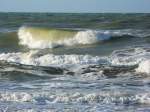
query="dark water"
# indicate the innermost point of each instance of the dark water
(74, 62)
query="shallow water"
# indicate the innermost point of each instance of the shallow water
(103, 66)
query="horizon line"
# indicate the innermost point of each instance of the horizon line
(113, 12)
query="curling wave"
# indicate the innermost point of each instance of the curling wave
(37, 37)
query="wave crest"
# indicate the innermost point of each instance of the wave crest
(32, 58)
(40, 38)
(49, 38)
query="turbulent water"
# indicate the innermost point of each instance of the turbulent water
(74, 62)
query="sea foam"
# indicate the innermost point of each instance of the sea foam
(77, 97)
(32, 58)
(129, 57)
(144, 67)
(40, 38)
(49, 38)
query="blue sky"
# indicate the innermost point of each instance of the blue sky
(75, 6)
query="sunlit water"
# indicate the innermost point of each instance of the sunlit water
(74, 62)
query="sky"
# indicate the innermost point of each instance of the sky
(75, 6)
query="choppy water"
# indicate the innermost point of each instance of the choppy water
(74, 62)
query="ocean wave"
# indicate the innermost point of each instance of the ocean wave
(101, 97)
(49, 38)
(134, 56)
(53, 102)
(34, 58)
(36, 37)
(144, 67)
(128, 57)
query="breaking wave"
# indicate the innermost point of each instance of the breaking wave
(36, 37)
(49, 38)
(128, 57)
(33, 58)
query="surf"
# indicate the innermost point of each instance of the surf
(137, 57)
(36, 37)
(41, 37)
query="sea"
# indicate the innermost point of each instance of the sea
(74, 62)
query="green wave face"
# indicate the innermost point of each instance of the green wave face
(51, 35)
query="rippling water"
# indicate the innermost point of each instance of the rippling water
(74, 62)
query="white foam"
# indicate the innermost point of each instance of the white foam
(144, 67)
(81, 37)
(89, 37)
(19, 97)
(128, 57)
(77, 97)
(32, 58)
(29, 39)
